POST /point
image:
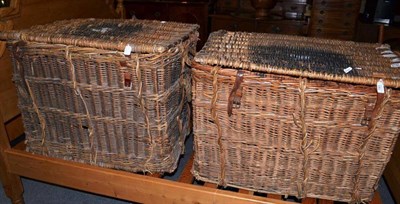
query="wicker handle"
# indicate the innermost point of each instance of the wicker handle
(236, 94)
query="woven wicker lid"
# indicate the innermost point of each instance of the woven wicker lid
(143, 36)
(343, 61)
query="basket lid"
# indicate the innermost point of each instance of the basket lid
(342, 61)
(143, 36)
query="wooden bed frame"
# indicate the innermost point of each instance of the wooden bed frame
(123, 185)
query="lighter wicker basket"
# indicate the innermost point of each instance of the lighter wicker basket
(85, 96)
(294, 116)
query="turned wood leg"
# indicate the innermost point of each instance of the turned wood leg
(11, 183)
(13, 188)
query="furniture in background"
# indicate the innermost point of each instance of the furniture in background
(195, 12)
(369, 32)
(287, 17)
(318, 18)
(334, 19)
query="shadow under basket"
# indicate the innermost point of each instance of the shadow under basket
(294, 116)
(112, 93)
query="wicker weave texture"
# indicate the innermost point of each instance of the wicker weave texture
(104, 107)
(301, 56)
(144, 36)
(290, 135)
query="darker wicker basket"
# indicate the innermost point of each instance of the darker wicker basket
(86, 97)
(278, 114)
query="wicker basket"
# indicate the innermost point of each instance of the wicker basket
(294, 116)
(112, 93)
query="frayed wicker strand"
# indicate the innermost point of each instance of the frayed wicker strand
(40, 117)
(93, 151)
(143, 108)
(305, 143)
(214, 73)
(182, 84)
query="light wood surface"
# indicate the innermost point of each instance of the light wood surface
(123, 185)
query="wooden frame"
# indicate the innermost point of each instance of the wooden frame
(5, 14)
(123, 185)
(4, 25)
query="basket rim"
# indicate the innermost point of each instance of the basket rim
(215, 57)
(49, 33)
(231, 72)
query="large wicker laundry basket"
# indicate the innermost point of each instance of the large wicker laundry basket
(293, 115)
(112, 93)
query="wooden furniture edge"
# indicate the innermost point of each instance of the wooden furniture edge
(4, 25)
(119, 184)
(11, 11)
(12, 184)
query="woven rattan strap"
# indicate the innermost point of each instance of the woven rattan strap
(333, 60)
(144, 36)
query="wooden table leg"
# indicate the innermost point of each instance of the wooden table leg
(11, 183)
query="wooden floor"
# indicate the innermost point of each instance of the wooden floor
(148, 188)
